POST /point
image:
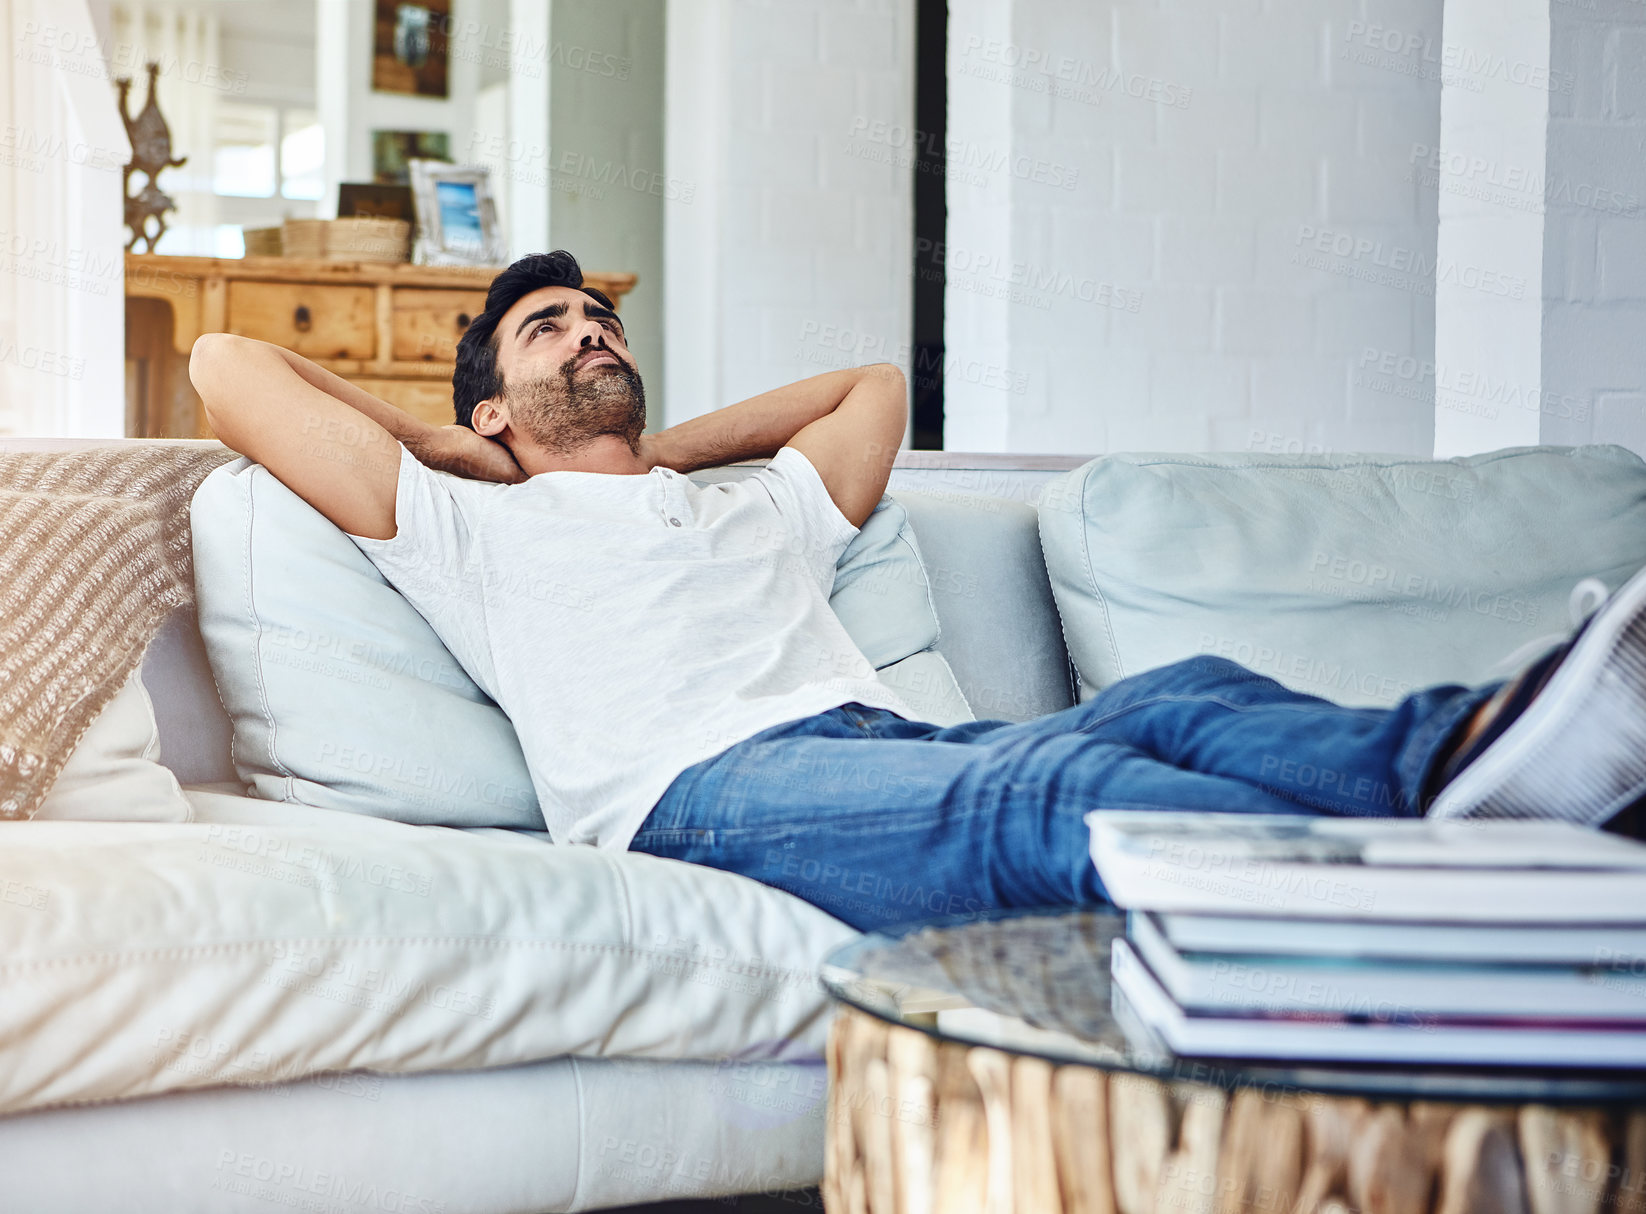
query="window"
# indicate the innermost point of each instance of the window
(302, 154)
(243, 164)
(265, 152)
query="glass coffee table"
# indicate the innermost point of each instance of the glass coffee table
(983, 1064)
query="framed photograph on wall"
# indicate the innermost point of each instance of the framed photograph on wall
(409, 47)
(456, 215)
(391, 151)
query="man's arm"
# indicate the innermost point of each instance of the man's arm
(849, 424)
(333, 444)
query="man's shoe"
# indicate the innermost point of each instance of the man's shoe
(1577, 750)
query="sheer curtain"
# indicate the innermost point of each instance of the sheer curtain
(185, 41)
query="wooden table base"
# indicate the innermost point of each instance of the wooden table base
(920, 1126)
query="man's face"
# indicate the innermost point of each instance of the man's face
(567, 375)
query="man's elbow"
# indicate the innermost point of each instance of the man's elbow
(896, 398)
(208, 348)
(891, 375)
(207, 359)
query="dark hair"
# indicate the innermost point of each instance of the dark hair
(476, 377)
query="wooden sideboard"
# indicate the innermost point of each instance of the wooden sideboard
(391, 328)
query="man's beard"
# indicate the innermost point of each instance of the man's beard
(565, 409)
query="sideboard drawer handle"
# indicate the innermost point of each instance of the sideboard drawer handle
(463, 320)
(301, 319)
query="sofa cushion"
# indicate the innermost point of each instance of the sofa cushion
(1000, 627)
(196, 735)
(1356, 578)
(343, 697)
(927, 684)
(139, 959)
(881, 592)
(114, 773)
(560, 1135)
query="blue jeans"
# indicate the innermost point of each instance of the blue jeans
(881, 820)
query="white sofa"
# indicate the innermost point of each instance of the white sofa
(275, 1004)
(280, 1005)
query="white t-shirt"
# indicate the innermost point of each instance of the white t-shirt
(631, 625)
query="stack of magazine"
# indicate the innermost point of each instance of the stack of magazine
(1379, 940)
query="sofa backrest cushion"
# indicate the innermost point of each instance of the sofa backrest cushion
(1000, 626)
(881, 593)
(196, 734)
(343, 697)
(114, 773)
(1357, 578)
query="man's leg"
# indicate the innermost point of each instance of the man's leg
(879, 820)
(1213, 716)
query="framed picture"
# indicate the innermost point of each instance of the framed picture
(391, 151)
(456, 216)
(370, 198)
(409, 47)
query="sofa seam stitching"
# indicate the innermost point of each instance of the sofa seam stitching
(188, 951)
(1091, 579)
(290, 790)
(576, 1202)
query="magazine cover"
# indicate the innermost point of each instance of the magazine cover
(1361, 868)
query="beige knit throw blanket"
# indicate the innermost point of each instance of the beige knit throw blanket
(94, 555)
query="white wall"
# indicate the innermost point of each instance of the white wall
(1594, 249)
(792, 256)
(604, 174)
(350, 111)
(1489, 297)
(268, 51)
(62, 276)
(570, 120)
(1544, 125)
(1189, 225)
(527, 95)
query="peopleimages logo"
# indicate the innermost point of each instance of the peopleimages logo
(1422, 48)
(1174, 858)
(1370, 259)
(299, 1185)
(1063, 76)
(1377, 580)
(25, 148)
(1463, 389)
(968, 269)
(82, 54)
(1511, 185)
(964, 153)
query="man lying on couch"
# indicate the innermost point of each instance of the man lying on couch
(713, 709)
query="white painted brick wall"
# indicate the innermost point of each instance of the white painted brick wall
(817, 231)
(606, 158)
(811, 189)
(1594, 252)
(1184, 224)
(1299, 127)
(1488, 310)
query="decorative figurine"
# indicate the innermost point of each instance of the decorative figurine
(150, 152)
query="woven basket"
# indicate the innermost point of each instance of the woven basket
(303, 238)
(368, 238)
(262, 242)
(358, 238)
